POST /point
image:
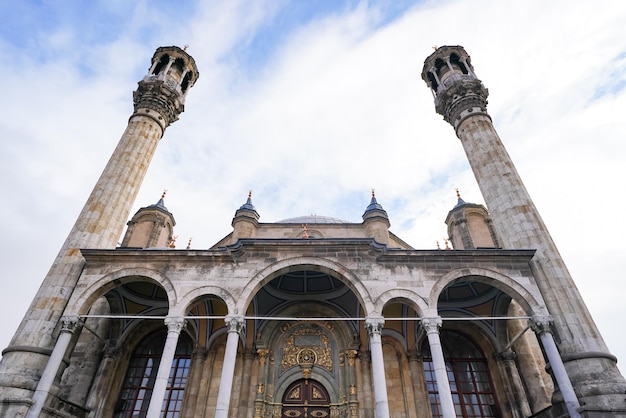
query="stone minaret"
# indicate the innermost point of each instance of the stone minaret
(158, 101)
(462, 100)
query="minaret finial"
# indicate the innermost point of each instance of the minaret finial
(373, 192)
(249, 194)
(458, 194)
(164, 193)
(189, 244)
(185, 48)
(438, 246)
(173, 242)
(447, 241)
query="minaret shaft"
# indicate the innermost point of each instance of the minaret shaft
(99, 225)
(519, 225)
(158, 101)
(462, 100)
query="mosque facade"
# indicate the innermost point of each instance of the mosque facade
(310, 316)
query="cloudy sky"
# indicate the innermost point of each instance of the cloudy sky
(311, 104)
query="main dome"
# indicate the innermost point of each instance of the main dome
(313, 219)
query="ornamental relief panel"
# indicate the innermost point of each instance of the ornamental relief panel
(307, 347)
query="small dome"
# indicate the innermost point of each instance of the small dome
(313, 219)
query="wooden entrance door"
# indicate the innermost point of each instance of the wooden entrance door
(306, 398)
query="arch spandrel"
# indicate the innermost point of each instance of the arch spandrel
(516, 291)
(80, 303)
(274, 270)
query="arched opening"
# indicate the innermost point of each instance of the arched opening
(162, 63)
(307, 320)
(141, 374)
(468, 372)
(305, 397)
(456, 63)
(493, 317)
(185, 84)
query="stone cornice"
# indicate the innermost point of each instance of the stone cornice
(459, 94)
(157, 95)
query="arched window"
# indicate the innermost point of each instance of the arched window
(142, 370)
(470, 381)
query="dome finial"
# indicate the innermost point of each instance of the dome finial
(373, 192)
(173, 242)
(164, 193)
(189, 244)
(459, 201)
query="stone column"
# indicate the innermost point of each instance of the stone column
(235, 324)
(174, 326)
(431, 326)
(420, 393)
(541, 326)
(513, 385)
(244, 399)
(374, 327)
(68, 327)
(365, 359)
(259, 400)
(353, 400)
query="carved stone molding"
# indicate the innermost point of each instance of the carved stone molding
(374, 324)
(156, 95)
(175, 323)
(541, 324)
(431, 325)
(70, 324)
(463, 93)
(235, 323)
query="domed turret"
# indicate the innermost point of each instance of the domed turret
(470, 227)
(152, 226)
(376, 221)
(246, 220)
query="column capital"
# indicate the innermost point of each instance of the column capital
(374, 324)
(541, 324)
(70, 323)
(432, 325)
(175, 323)
(235, 323)
(508, 355)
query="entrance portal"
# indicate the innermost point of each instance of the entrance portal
(306, 398)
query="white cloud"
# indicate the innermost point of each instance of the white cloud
(337, 108)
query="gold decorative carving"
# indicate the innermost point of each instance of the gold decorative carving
(263, 353)
(307, 355)
(351, 355)
(295, 394)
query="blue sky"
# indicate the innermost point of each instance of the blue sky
(311, 104)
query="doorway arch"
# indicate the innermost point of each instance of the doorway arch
(306, 398)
